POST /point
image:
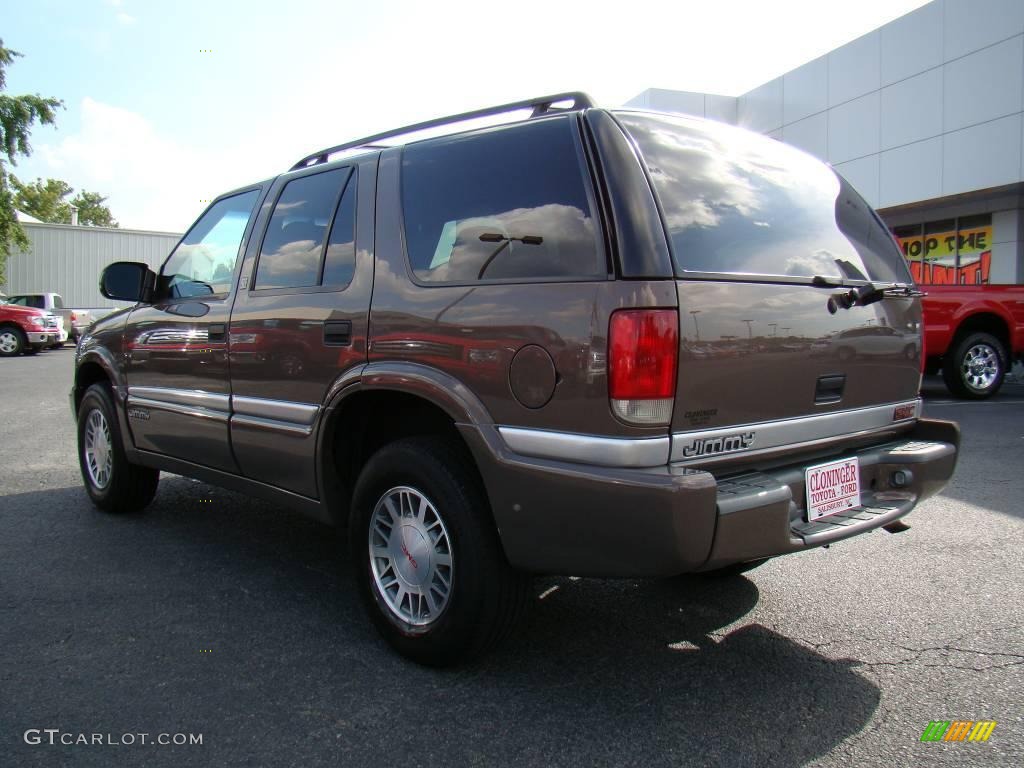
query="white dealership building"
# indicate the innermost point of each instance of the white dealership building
(925, 117)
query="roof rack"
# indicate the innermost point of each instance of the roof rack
(541, 106)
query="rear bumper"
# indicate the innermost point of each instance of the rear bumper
(557, 517)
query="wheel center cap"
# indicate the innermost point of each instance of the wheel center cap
(412, 555)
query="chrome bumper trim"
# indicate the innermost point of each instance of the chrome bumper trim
(752, 439)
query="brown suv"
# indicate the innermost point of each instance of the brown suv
(587, 342)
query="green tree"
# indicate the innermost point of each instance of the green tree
(43, 199)
(47, 201)
(17, 116)
(92, 211)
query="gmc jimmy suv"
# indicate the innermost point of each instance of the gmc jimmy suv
(583, 342)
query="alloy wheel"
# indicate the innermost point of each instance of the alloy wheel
(410, 556)
(99, 449)
(980, 367)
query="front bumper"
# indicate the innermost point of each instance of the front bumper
(556, 517)
(43, 337)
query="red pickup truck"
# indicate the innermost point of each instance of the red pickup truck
(973, 334)
(24, 329)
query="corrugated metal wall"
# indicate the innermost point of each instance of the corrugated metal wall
(68, 260)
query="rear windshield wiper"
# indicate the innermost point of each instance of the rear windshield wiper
(869, 294)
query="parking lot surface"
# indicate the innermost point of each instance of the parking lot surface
(219, 615)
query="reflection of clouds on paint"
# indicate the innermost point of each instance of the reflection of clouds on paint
(568, 248)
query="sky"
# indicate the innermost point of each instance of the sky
(168, 104)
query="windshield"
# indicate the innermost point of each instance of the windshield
(737, 202)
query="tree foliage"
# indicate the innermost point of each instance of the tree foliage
(18, 114)
(92, 211)
(44, 200)
(47, 201)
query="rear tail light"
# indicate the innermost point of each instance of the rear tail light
(74, 317)
(643, 350)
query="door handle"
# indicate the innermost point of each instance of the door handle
(217, 331)
(829, 389)
(337, 333)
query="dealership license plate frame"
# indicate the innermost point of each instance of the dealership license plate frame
(843, 499)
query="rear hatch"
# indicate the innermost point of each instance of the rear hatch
(762, 236)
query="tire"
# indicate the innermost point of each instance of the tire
(113, 483)
(453, 533)
(12, 341)
(976, 367)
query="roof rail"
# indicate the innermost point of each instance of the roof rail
(541, 106)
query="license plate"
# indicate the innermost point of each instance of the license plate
(832, 487)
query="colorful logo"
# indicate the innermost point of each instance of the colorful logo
(958, 730)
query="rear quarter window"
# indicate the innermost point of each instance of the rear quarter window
(501, 204)
(739, 203)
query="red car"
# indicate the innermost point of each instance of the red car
(23, 329)
(973, 333)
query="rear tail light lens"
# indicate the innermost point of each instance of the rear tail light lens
(73, 317)
(643, 350)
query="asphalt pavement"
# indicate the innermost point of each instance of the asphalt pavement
(217, 615)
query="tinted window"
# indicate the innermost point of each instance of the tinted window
(204, 261)
(737, 202)
(28, 301)
(58, 302)
(340, 262)
(293, 244)
(507, 203)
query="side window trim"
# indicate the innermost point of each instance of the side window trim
(597, 214)
(253, 289)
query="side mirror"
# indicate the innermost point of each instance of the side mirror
(128, 281)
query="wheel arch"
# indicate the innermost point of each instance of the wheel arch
(983, 321)
(386, 402)
(95, 367)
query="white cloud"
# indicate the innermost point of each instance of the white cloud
(125, 19)
(151, 180)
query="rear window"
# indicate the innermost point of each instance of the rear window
(738, 203)
(501, 204)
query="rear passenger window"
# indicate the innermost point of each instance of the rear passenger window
(293, 245)
(501, 204)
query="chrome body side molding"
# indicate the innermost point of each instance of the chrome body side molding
(275, 410)
(587, 449)
(281, 415)
(185, 397)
